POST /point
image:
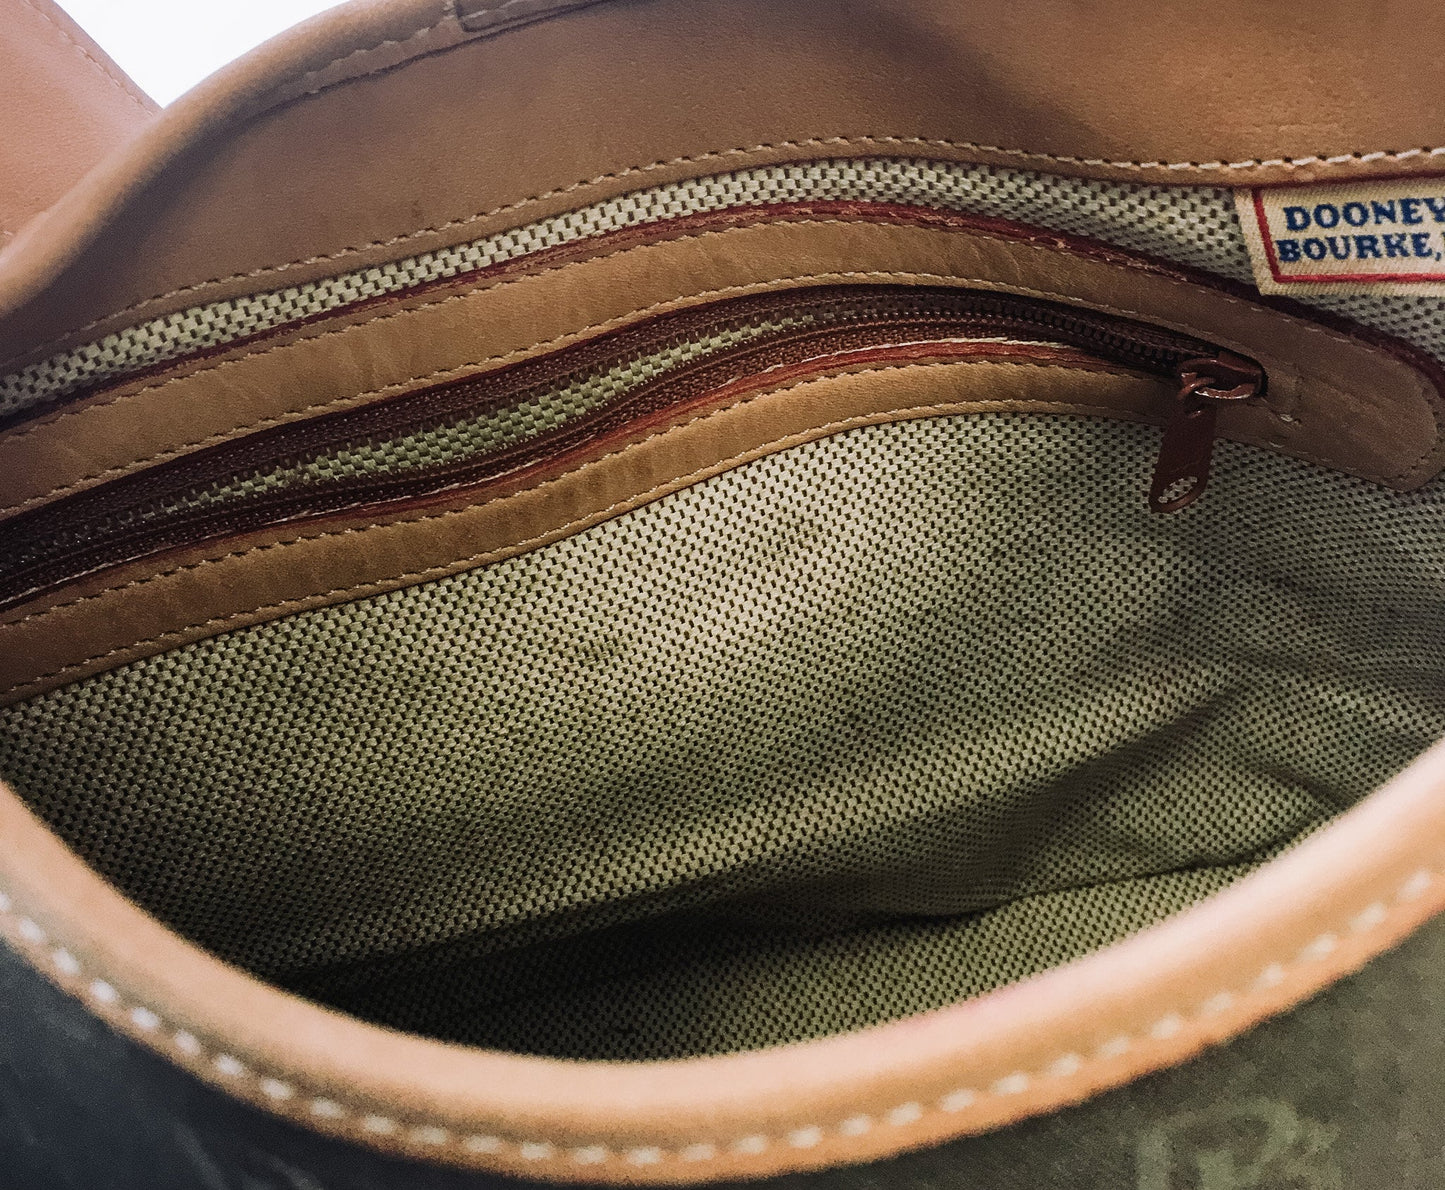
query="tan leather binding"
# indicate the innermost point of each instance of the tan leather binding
(1055, 85)
(261, 178)
(1332, 399)
(1342, 896)
(65, 105)
(146, 608)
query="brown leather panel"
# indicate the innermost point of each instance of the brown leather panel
(1296, 925)
(1332, 398)
(396, 143)
(65, 105)
(144, 609)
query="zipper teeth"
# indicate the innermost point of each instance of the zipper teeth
(788, 344)
(1146, 347)
(1147, 350)
(129, 518)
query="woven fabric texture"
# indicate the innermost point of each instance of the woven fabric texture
(471, 430)
(468, 435)
(1195, 226)
(937, 697)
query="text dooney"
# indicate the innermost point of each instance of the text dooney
(1377, 237)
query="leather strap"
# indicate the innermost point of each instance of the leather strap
(65, 105)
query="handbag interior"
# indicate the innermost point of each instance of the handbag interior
(850, 731)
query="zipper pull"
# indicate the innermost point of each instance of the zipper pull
(1182, 472)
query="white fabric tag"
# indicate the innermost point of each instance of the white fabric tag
(1347, 237)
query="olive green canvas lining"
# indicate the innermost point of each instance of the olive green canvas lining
(846, 733)
(717, 983)
(435, 439)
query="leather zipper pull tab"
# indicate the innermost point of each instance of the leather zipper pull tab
(1182, 472)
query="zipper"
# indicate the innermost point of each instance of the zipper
(1182, 472)
(817, 329)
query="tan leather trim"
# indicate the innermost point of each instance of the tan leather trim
(1322, 910)
(392, 35)
(260, 176)
(65, 105)
(141, 610)
(1332, 399)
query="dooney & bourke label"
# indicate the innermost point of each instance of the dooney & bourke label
(1348, 237)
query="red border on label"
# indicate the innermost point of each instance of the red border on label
(1267, 240)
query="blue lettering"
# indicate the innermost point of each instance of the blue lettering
(1339, 246)
(1420, 242)
(1315, 249)
(1356, 214)
(1410, 211)
(1289, 250)
(1395, 244)
(1367, 246)
(1384, 211)
(1437, 208)
(1326, 215)
(1298, 218)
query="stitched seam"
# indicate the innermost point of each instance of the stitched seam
(450, 14)
(364, 51)
(718, 155)
(672, 484)
(127, 468)
(109, 75)
(448, 568)
(496, 10)
(105, 1000)
(40, 424)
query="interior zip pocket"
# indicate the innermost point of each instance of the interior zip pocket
(468, 433)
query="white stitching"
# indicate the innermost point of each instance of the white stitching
(457, 565)
(144, 1018)
(1219, 1003)
(1011, 1084)
(482, 1144)
(716, 155)
(120, 470)
(288, 89)
(466, 19)
(108, 74)
(229, 1067)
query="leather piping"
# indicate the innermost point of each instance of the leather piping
(1338, 899)
(137, 611)
(718, 379)
(1335, 398)
(1282, 933)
